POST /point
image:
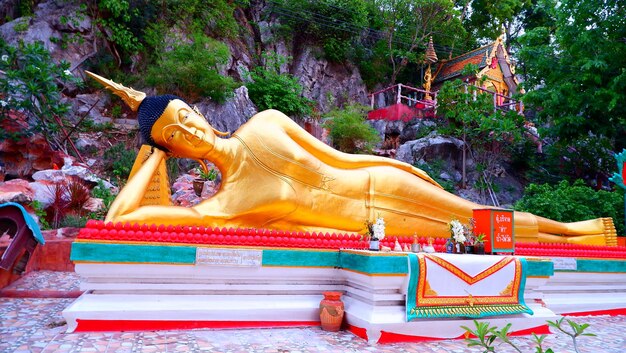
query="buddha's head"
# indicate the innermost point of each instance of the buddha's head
(168, 122)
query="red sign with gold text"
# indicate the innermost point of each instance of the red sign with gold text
(503, 231)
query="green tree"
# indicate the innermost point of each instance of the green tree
(349, 131)
(269, 89)
(489, 135)
(30, 86)
(406, 26)
(575, 71)
(567, 202)
(191, 70)
(333, 24)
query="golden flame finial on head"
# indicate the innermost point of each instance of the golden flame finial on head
(131, 97)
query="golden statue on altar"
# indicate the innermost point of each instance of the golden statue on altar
(276, 175)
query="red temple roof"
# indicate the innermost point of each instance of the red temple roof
(453, 67)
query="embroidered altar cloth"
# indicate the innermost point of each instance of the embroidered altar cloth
(449, 285)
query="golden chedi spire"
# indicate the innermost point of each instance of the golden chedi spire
(431, 56)
(131, 97)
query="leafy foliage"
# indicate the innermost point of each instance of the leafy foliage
(576, 69)
(120, 160)
(486, 335)
(270, 89)
(114, 17)
(407, 25)
(191, 70)
(567, 202)
(489, 135)
(334, 24)
(349, 131)
(30, 87)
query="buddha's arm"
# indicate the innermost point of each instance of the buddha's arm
(126, 206)
(331, 156)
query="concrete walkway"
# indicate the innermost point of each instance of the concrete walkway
(36, 325)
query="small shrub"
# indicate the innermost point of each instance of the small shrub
(270, 89)
(570, 203)
(119, 161)
(349, 130)
(191, 70)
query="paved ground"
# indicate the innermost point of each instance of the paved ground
(36, 325)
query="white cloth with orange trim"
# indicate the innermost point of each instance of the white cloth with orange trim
(450, 285)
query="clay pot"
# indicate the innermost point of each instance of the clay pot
(198, 185)
(331, 311)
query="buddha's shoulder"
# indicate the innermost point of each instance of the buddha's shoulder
(268, 116)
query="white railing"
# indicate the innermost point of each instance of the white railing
(412, 96)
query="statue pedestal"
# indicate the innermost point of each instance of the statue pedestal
(150, 285)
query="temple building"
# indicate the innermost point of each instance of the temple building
(402, 102)
(494, 63)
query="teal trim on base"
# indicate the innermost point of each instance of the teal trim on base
(414, 270)
(372, 264)
(133, 253)
(604, 266)
(539, 268)
(297, 258)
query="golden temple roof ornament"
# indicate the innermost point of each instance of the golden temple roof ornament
(431, 56)
(131, 97)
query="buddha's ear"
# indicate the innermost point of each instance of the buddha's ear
(219, 133)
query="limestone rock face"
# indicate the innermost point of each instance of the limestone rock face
(327, 83)
(228, 117)
(58, 25)
(424, 150)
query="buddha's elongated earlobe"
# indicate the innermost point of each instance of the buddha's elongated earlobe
(131, 97)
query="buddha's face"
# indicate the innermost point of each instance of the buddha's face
(183, 131)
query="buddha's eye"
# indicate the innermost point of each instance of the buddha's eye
(185, 117)
(171, 137)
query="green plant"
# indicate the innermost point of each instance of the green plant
(486, 335)
(22, 26)
(270, 89)
(211, 175)
(349, 131)
(30, 88)
(434, 168)
(107, 197)
(567, 202)
(119, 161)
(191, 70)
(114, 19)
(40, 212)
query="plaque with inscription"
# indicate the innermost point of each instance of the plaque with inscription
(228, 257)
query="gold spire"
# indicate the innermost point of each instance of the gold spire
(130, 96)
(431, 56)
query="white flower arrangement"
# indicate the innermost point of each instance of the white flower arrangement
(376, 230)
(379, 229)
(458, 231)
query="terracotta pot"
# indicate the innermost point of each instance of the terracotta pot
(331, 311)
(198, 185)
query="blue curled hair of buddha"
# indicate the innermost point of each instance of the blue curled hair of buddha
(150, 110)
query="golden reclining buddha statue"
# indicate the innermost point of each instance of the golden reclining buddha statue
(276, 175)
